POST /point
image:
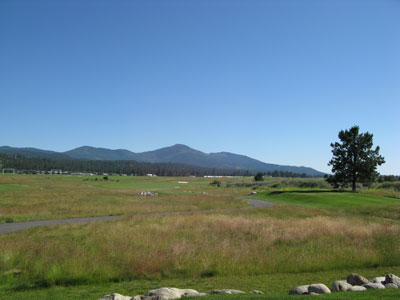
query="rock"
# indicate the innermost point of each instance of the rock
(115, 296)
(391, 286)
(340, 286)
(378, 280)
(147, 193)
(319, 288)
(356, 279)
(391, 278)
(142, 297)
(357, 288)
(172, 293)
(374, 286)
(256, 292)
(227, 291)
(194, 295)
(300, 290)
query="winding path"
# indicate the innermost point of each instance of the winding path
(12, 227)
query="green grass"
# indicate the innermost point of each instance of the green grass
(13, 187)
(87, 294)
(325, 199)
(274, 286)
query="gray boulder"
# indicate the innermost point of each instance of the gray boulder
(378, 280)
(357, 288)
(147, 193)
(300, 290)
(319, 288)
(115, 296)
(391, 278)
(194, 295)
(374, 286)
(227, 291)
(142, 297)
(256, 292)
(356, 279)
(172, 293)
(340, 286)
(391, 286)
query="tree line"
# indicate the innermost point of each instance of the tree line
(278, 173)
(29, 164)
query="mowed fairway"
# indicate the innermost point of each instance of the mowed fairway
(326, 199)
(305, 238)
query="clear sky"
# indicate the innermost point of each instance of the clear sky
(274, 80)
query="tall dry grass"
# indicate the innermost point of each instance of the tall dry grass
(197, 245)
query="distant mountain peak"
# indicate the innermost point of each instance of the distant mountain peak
(89, 147)
(180, 146)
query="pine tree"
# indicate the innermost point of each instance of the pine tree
(354, 161)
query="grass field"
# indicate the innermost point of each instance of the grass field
(309, 236)
(41, 197)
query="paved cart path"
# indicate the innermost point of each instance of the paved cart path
(11, 227)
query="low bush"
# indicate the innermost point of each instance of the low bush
(390, 186)
(216, 183)
(305, 183)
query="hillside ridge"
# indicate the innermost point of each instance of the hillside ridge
(178, 153)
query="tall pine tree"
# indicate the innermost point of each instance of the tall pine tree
(354, 161)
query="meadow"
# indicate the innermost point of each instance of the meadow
(309, 235)
(43, 197)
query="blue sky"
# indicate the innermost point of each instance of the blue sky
(274, 80)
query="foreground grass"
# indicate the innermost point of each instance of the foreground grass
(87, 294)
(274, 286)
(197, 246)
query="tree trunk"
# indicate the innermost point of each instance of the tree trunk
(353, 188)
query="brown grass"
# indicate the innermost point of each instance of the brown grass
(198, 245)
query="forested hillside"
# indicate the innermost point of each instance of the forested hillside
(129, 167)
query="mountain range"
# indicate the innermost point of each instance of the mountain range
(174, 154)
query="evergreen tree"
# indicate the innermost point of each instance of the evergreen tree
(354, 161)
(259, 177)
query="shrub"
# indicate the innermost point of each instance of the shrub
(216, 183)
(259, 177)
(390, 186)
